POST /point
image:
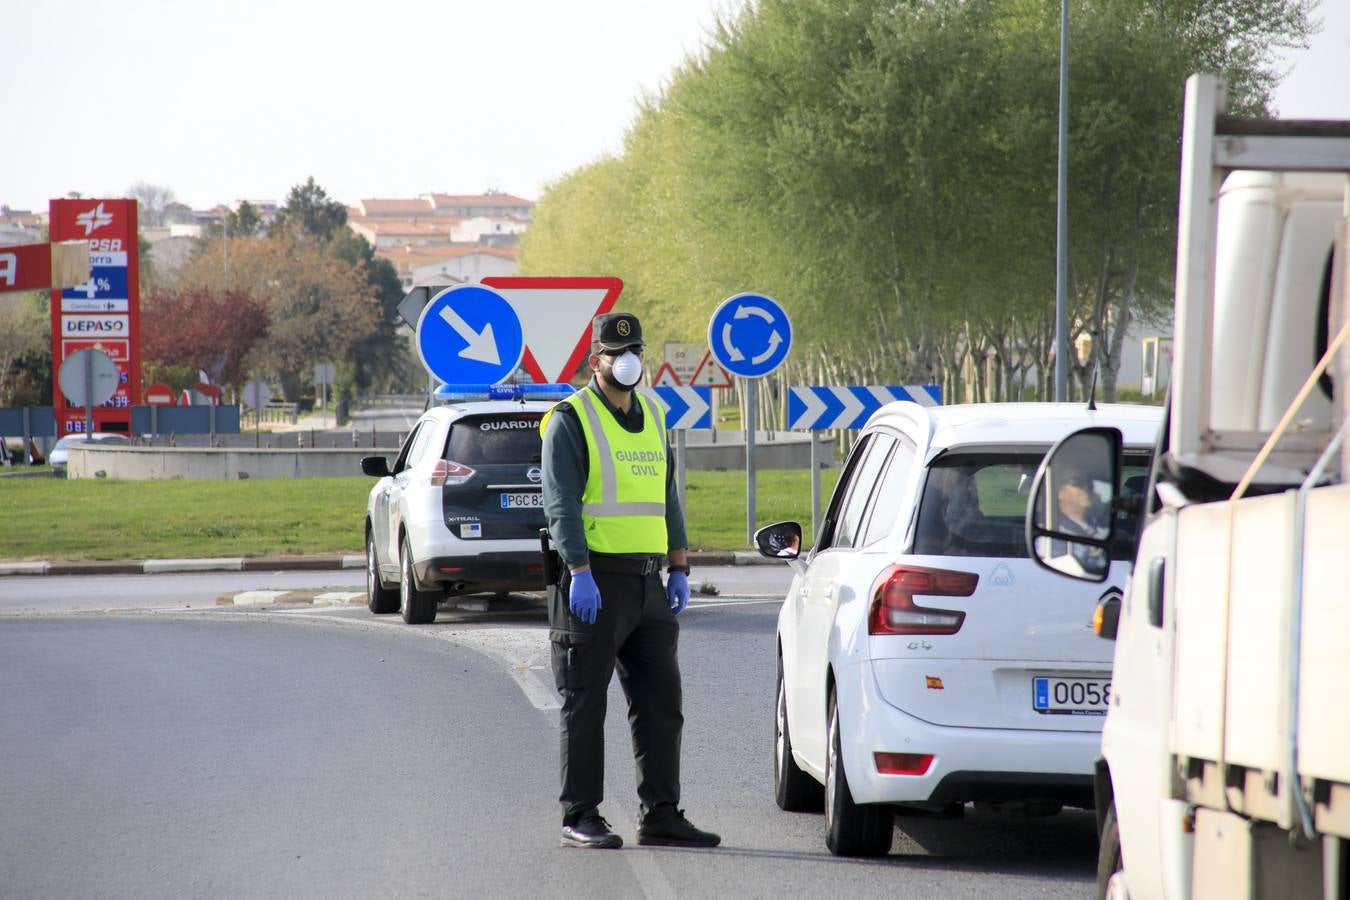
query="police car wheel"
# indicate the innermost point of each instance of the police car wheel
(418, 607)
(380, 599)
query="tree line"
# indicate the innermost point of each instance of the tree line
(887, 170)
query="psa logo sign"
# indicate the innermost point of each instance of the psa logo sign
(93, 219)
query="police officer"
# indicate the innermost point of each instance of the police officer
(613, 514)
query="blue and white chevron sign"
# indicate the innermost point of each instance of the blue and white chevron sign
(817, 407)
(686, 407)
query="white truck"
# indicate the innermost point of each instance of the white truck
(1225, 769)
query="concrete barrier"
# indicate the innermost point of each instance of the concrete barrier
(788, 450)
(162, 463)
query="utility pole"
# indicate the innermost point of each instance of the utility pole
(1062, 217)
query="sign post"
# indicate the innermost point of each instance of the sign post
(102, 312)
(686, 408)
(257, 395)
(323, 377)
(750, 336)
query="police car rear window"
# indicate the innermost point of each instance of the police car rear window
(479, 440)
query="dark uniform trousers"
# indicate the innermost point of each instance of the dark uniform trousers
(636, 632)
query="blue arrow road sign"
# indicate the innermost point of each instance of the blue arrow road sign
(470, 334)
(686, 407)
(821, 407)
(750, 335)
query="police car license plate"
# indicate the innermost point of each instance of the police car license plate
(523, 500)
(1070, 696)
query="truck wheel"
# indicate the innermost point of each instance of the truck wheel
(379, 599)
(851, 829)
(793, 789)
(418, 607)
(1110, 866)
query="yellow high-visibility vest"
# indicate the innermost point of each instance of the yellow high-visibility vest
(623, 506)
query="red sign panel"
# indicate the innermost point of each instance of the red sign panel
(159, 395)
(27, 267)
(555, 315)
(104, 312)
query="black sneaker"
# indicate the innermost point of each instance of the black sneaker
(669, 828)
(592, 832)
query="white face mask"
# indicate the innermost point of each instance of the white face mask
(627, 369)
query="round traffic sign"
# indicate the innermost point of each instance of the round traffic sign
(257, 394)
(89, 378)
(159, 395)
(750, 335)
(470, 334)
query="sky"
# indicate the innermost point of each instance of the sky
(226, 101)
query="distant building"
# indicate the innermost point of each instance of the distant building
(450, 264)
(22, 226)
(489, 204)
(384, 233)
(444, 238)
(462, 206)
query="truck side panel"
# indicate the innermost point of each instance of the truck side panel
(1324, 740)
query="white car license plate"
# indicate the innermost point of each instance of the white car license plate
(523, 500)
(1070, 696)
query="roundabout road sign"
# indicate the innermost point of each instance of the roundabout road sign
(750, 335)
(470, 334)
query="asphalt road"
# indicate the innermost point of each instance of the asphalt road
(323, 752)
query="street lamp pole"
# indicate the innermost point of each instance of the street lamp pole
(1062, 217)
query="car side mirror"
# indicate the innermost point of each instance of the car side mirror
(1070, 513)
(781, 541)
(375, 466)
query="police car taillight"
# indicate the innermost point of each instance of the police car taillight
(446, 472)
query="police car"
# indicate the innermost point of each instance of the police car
(459, 511)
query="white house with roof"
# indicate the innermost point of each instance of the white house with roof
(450, 264)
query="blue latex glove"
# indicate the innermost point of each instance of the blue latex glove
(584, 597)
(677, 591)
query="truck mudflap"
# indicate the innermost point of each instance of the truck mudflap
(1239, 857)
(1102, 791)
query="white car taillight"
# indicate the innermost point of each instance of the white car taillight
(893, 608)
(446, 472)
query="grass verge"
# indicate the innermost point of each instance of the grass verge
(97, 519)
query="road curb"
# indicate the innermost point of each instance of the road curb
(280, 564)
(292, 598)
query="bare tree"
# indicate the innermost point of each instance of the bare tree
(152, 199)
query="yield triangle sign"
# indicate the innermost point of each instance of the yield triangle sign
(666, 377)
(710, 373)
(555, 315)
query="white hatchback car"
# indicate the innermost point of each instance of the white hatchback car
(460, 510)
(924, 661)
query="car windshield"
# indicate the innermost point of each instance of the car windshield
(975, 504)
(502, 439)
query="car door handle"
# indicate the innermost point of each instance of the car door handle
(829, 590)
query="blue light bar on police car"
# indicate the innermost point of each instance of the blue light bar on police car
(462, 392)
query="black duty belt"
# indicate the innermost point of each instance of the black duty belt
(626, 565)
